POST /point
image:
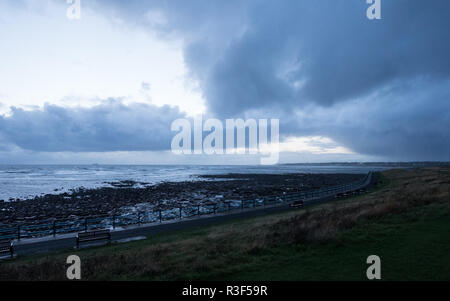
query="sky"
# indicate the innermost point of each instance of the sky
(106, 87)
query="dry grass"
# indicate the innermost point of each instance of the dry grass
(408, 189)
(221, 247)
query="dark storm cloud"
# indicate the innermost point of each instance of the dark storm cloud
(378, 87)
(252, 53)
(399, 123)
(111, 126)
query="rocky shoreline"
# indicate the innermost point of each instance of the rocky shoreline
(125, 196)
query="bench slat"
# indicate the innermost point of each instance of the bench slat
(93, 236)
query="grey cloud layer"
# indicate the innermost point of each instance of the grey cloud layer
(111, 126)
(395, 123)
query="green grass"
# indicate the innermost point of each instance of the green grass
(412, 246)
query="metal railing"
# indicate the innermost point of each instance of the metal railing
(57, 227)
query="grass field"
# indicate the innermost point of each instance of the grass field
(405, 221)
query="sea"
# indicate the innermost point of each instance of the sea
(28, 181)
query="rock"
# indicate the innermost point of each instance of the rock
(215, 190)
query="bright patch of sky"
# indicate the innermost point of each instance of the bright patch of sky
(47, 58)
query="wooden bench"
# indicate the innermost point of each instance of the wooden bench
(297, 204)
(93, 236)
(6, 247)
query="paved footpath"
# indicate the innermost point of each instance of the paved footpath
(46, 245)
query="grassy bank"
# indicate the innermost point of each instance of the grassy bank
(405, 221)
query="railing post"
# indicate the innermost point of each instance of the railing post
(242, 204)
(114, 221)
(54, 228)
(85, 224)
(160, 216)
(18, 232)
(180, 212)
(229, 206)
(139, 218)
(198, 210)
